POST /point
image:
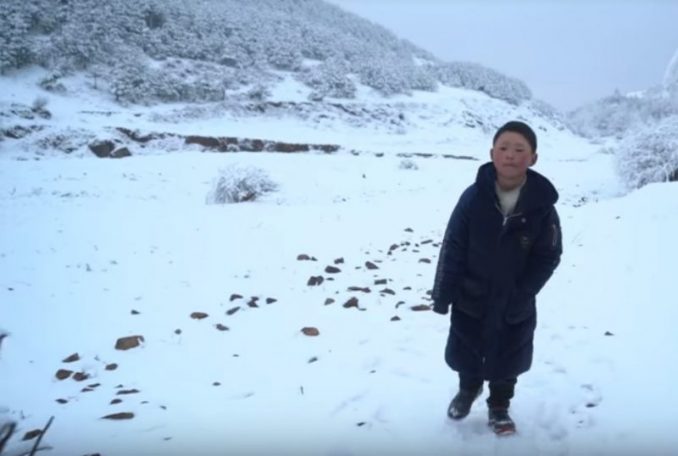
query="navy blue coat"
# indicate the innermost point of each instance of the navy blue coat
(490, 270)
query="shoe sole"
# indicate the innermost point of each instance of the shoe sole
(503, 430)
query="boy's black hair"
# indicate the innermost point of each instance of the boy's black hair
(522, 129)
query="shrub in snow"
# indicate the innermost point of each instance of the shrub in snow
(407, 164)
(328, 79)
(237, 184)
(650, 154)
(617, 114)
(51, 83)
(40, 103)
(477, 77)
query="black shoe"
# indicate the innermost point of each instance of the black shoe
(500, 421)
(461, 404)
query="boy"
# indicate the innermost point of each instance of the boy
(501, 246)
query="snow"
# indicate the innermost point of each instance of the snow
(85, 241)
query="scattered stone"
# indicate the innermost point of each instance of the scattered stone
(253, 302)
(94, 385)
(216, 384)
(87, 389)
(116, 401)
(135, 312)
(339, 261)
(360, 424)
(62, 401)
(387, 291)
(420, 308)
(393, 247)
(332, 270)
(129, 391)
(119, 416)
(63, 374)
(235, 296)
(122, 152)
(199, 315)
(381, 281)
(427, 241)
(353, 302)
(125, 343)
(111, 367)
(310, 331)
(80, 376)
(409, 230)
(363, 289)
(399, 303)
(370, 265)
(221, 327)
(407, 288)
(424, 260)
(72, 358)
(30, 435)
(313, 360)
(303, 257)
(395, 318)
(329, 301)
(102, 149)
(608, 333)
(315, 280)
(233, 310)
(177, 331)
(271, 300)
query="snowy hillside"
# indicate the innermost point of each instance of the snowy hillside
(219, 50)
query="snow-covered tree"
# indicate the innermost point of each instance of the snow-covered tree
(671, 74)
(649, 154)
(477, 77)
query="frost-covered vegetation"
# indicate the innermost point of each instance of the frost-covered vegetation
(149, 51)
(618, 114)
(238, 184)
(650, 154)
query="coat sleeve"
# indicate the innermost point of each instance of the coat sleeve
(452, 258)
(544, 257)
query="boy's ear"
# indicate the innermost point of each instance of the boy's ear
(491, 153)
(535, 157)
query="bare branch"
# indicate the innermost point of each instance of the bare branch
(6, 431)
(42, 434)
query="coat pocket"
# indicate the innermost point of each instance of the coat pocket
(521, 306)
(472, 296)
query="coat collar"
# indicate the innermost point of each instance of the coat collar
(537, 192)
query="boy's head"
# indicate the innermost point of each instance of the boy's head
(514, 149)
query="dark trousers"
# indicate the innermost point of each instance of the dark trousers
(501, 391)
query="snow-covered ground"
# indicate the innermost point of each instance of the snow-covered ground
(93, 250)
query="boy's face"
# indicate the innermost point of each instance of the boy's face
(512, 155)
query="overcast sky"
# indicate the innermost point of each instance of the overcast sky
(569, 52)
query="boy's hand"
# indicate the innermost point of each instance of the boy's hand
(440, 307)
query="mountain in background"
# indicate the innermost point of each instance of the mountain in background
(148, 51)
(620, 114)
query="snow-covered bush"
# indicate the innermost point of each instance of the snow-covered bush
(617, 114)
(328, 79)
(40, 103)
(477, 77)
(650, 154)
(406, 163)
(237, 184)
